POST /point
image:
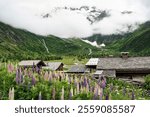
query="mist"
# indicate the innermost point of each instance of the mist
(27, 15)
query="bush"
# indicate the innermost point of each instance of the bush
(147, 82)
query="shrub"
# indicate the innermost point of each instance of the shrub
(147, 82)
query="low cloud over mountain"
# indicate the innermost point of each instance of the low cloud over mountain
(75, 18)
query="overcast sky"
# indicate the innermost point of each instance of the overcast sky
(26, 14)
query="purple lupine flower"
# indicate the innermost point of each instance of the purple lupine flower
(101, 96)
(17, 77)
(79, 85)
(88, 81)
(20, 75)
(95, 94)
(82, 84)
(105, 79)
(103, 84)
(87, 88)
(33, 80)
(40, 96)
(37, 69)
(99, 80)
(81, 89)
(21, 78)
(84, 81)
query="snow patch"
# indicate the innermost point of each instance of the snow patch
(95, 44)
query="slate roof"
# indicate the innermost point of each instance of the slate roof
(30, 62)
(53, 65)
(109, 73)
(77, 69)
(131, 63)
(92, 62)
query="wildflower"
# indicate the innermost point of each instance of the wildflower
(46, 76)
(101, 94)
(17, 77)
(78, 89)
(95, 93)
(70, 95)
(88, 81)
(71, 90)
(21, 78)
(37, 69)
(10, 68)
(62, 94)
(11, 93)
(87, 88)
(84, 81)
(81, 88)
(53, 94)
(103, 84)
(40, 96)
(33, 80)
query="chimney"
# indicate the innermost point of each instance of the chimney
(125, 55)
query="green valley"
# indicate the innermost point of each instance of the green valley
(21, 44)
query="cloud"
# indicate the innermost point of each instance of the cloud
(26, 14)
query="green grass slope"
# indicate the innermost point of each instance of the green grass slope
(138, 43)
(107, 39)
(21, 44)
